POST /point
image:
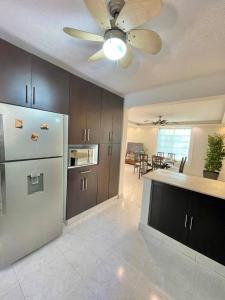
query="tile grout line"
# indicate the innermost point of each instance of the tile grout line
(14, 270)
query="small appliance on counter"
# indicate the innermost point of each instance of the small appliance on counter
(82, 155)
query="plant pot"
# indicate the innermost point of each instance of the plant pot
(211, 175)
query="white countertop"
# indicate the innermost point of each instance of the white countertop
(202, 185)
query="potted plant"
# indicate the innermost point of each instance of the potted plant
(215, 156)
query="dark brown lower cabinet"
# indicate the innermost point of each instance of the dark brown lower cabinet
(81, 190)
(109, 171)
(207, 234)
(168, 211)
(194, 219)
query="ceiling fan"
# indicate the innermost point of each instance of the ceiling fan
(118, 18)
(160, 122)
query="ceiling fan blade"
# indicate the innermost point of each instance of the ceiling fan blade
(83, 35)
(146, 40)
(97, 56)
(99, 11)
(127, 59)
(137, 12)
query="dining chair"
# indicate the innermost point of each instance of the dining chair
(161, 154)
(145, 166)
(158, 162)
(182, 164)
(171, 156)
(137, 162)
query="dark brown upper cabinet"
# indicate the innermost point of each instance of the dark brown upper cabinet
(111, 118)
(15, 75)
(85, 112)
(26, 80)
(50, 87)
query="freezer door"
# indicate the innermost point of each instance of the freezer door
(27, 133)
(31, 212)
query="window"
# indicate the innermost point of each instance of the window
(174, 140)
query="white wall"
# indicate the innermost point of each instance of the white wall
(198, 148)
(147, 136)
(123, 150)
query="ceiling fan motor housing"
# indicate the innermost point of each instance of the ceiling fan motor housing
(115, 6)
(115, 33)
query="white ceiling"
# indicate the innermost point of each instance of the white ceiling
(192, 32)
(192, 111)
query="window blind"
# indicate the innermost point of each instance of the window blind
(174, 140)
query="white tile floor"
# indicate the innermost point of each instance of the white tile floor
(104, 256)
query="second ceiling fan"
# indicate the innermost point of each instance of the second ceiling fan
(119, 34)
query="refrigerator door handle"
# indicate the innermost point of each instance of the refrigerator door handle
(3, 191)
(34, 95)
(26, 93)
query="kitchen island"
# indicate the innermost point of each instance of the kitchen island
(185, 210)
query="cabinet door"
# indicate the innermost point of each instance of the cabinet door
(169, 210)
(107, 117)
(114, 173)
(74, 193)
(77, 111)
(50, 87)
(81, 191)
(104, 166)
(207, 227)
(93, 113)
(15, 75)
(117, 119)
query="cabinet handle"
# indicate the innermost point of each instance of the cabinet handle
(88, 134)
(109, 136)
(185, 222)
(85, 172)
(109, 150)
(34, 95)
(86, 183)
(82, 184)
(3, 192)
(84, 135)
(26, 94)
(192, 218)
(112, 135)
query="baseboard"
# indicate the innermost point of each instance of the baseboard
(195, 256)
(97, 208)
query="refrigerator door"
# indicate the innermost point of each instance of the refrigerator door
(27, 133)
(31, 206)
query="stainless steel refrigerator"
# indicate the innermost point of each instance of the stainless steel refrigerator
(31, 180)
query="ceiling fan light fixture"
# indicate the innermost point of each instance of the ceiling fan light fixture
(114, 48)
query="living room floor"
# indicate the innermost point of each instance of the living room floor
(104, 256)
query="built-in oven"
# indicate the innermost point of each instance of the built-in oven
(82, 155)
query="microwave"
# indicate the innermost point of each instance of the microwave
(82, 155)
